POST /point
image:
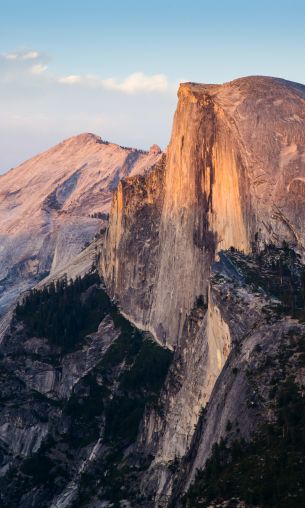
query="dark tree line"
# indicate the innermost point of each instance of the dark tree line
(268, 471)
(66, 311)
(279, 272)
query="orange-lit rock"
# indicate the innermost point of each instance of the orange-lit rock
(235, 162)
(234, 176)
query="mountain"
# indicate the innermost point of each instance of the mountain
(172, 373)
(232, 177)
(54, 204)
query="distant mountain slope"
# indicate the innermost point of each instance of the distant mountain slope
(51, 205)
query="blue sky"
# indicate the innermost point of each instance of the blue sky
(113, 67)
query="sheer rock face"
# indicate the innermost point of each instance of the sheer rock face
(47, 203)
(130, 259)
(233, 176)
(167, 432)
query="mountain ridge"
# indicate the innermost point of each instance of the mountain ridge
(59, 197)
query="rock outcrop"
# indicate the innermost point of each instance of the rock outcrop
(233, 176)
(53, 204)
(70, 410)
(267, 341)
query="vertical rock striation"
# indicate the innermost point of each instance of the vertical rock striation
(233, 176)
(234, 172)
(130, 260)
(168, 431)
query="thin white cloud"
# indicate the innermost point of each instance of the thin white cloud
(22, 55)
(34, 63)
(134, 83)
(38, 69)
(30, 55)
(10, 56)
(73, 79)
(138, 82)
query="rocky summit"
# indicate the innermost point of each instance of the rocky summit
(54, 204)
(164, 364)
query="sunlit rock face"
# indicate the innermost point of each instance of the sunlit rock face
(233, 176)
(48, 206)
(234, 172)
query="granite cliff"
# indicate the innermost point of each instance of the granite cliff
(233, 176)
